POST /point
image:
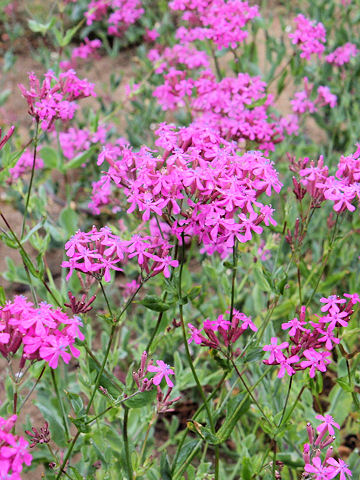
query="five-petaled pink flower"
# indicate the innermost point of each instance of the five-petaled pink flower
(328, 423)
(162, 370)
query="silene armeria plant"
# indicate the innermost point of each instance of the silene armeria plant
(179, 226)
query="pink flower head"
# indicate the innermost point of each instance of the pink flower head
(309, 35)
(321, 472)
(195, 335)
(328, 423)
(342, 54)
(295, 325)
(331, 304)
(13, 451)
(338, 467)
(276, 355)
(285, 365)
(316, 361)
(162, 370)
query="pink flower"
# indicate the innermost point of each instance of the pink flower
(195, 335)
(295, 325)
(309, 35)
(162, 370)
(13, 450)
(331, 303)
(285, 365)
(328, 423)
(316, 361)
(276, 355)
(342, 54)
(322, 472)
(54, 348)
(338, 467)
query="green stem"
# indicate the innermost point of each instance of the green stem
(106, 299)
(249, 391)
(294, 405)
(286, 400)
(265, 323)
(233, 279)
(142, 453)
(24, 255)
(198, 411)
(216, 61)
(325, 260)
(196, 378)
(67, 456)
(114, 381)
(97, 381)
(32, 388)
(126, 443)
(64, 419)
(36, 140)
(153, 335)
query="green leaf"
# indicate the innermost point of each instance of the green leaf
(113, 388)
(185, 451)
(155, 303)
(81, 423)
(281, 82)
(39, 27)
(141, 399)
(258, 103)
(76, 474)
(76, 403)
(8, 160)
(50, 157)
(165, 470)
(344, 384)
(4, 95)
(253, 355)
(203, 432)
(69, 221)
(80, 159)
(2, 296)
(69, 35)
(239, 406)
(33, 230)
(246, 470)
(260, 278)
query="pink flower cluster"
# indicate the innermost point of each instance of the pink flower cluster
(228, 331)
(311, 347)
(200, 186)
(342, 55)
(302, 103)
(88, 50)
(13, 450)
(329, 467)
(184, 55)
(342, 189)
(220, 21)
(55, 98)
(162, 371)
(44, 332)
(123, 13)
(98, 252)
(76, 140)
(309, 35)
(24, 165)
(237, 107)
